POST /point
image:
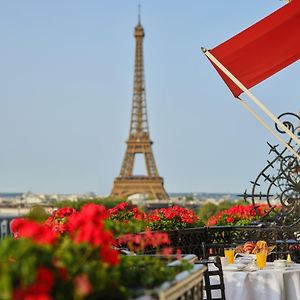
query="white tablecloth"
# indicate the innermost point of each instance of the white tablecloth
(268, 284)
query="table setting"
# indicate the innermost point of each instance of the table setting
(249, 276)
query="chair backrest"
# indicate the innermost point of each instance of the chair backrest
(214, 287)
(215, 249)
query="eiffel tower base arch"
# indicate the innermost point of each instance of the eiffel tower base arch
(127, 186)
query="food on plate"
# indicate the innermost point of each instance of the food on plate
(239, 249)
(261, 246)
(249, 247)
(253, 248)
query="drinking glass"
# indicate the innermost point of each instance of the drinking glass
(261, 260)
(229, 254)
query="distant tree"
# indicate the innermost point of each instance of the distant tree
(108, 202)
(189, 198)
(207, 210)
(225, 204)
(37, 213)
(241, 202)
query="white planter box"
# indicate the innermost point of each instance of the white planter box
(187, 285)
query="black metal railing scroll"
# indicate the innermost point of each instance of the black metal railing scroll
(278, 184)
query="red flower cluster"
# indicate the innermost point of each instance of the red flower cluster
(295, 247)
(138, 242)
(40, 289)
(238, 215)
(87, 226)
(83, 286)
(79, 252)
(166, 251)
(174, 217)
(175, 212)
(39, 233)
(123, 213)
(119, 207)
(59, 218)
(63, 212)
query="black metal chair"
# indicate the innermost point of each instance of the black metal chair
(215, 249)
(213, 290)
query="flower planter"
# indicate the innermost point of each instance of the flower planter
(188, 240)
(186, 285)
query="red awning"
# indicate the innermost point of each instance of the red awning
(262, 49)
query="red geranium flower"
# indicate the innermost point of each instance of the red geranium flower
(39, 233)
(230, 219)
(83, 286)
(109, 255)
(39, 290)
(239, 214)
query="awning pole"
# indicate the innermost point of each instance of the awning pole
(251, 96)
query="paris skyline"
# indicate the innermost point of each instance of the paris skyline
(66, 93)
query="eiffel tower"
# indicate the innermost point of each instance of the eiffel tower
(139, 141)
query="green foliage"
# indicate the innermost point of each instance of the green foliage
(19, 261)
(189, 198)
(207, 210)
(21, 258)
(154, 271)
(37, 213)
(225, 204)
(173, 224)
(108, 202)
(131, 226)
(241, 202)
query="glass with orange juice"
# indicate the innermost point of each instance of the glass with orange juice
(229, 254)
(261, 260)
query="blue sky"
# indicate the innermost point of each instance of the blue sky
(66, 79)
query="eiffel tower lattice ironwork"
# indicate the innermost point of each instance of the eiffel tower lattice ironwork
(139, 141)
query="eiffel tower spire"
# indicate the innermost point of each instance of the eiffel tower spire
(139, 141)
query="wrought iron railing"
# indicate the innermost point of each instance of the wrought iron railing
(278, 184)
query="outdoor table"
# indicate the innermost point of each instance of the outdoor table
(270, 283)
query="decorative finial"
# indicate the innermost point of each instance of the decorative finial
(139, 13)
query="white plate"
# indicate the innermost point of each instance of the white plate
(248, 255)
(234, 267)
(271, 265)
(280, 267)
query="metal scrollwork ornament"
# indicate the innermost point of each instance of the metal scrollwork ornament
(278, 184)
